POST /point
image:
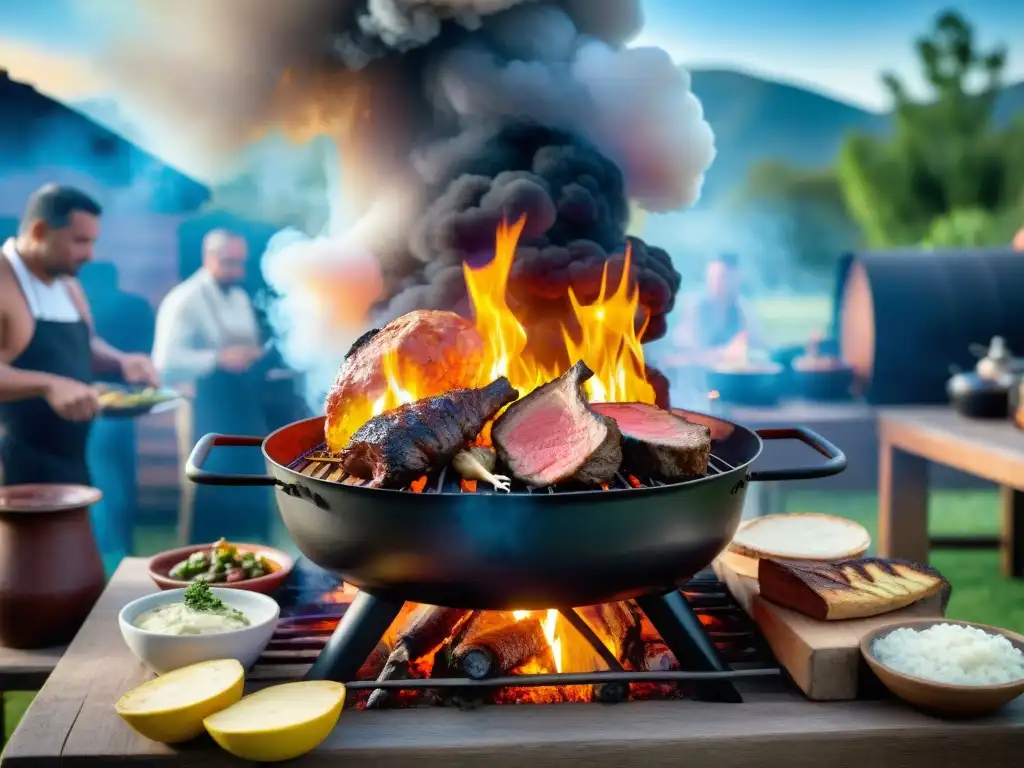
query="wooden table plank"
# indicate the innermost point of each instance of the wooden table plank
(1011, 506)
(72, 723)
(908, 438)
(993, 450)
(902, 504)
(27, 670)
(90, 659)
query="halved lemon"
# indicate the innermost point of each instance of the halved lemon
(171, 708)
(279, 723)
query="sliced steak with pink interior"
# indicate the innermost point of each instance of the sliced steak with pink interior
(553, 436)
(658, 443)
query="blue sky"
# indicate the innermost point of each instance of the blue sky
(836, 46)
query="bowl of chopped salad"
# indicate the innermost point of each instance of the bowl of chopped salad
(225, 564)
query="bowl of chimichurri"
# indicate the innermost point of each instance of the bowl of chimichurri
(223, 564)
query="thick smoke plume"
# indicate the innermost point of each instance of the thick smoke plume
(476, 109)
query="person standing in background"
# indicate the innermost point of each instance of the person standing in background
(127, 322)
(207, 336)
(49, 348)
(718, 315)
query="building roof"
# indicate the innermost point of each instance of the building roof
(36, 131)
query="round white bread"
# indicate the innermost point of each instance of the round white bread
(801, 536)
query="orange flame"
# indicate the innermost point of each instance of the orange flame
(397, 392)
(609, 343)
(552, 632)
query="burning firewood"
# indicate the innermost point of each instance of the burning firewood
(618, 624)
(428, 628)
(501, 649)
(477, 463)
(374, 663)
(658, 658)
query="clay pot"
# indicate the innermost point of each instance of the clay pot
(51, 572)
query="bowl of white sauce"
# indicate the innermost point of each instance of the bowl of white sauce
(166, 631)
(946, 667)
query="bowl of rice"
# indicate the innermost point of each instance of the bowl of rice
(951, 668)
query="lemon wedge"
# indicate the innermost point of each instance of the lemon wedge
(171, 708)
(279, 723)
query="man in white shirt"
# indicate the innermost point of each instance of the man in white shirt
(207, 323)
(207, 336)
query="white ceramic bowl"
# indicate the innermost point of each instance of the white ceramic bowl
(163, 653)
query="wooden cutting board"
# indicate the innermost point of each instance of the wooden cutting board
(822, 657)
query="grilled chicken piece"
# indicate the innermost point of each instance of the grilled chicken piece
(440, 351)
(397, 447)
(478, 464)
(553, 435)
(850, 589)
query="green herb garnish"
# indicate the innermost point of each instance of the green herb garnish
(199, 597)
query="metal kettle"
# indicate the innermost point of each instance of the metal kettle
(984, 393)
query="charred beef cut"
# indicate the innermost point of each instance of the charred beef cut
(658, 443)
(552, 435)
(440, 351)
(397, 447)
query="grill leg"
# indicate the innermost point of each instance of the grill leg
(682, 632)
(357, 634)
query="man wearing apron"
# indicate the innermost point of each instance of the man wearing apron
(207, 336)
(48, 350)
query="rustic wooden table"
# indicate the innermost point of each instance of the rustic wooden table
(24, 671)
(72, 722)
(911, 437)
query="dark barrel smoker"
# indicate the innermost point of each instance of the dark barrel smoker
(903, 319)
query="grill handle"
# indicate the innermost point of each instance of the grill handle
(194, 466)
(836, 458)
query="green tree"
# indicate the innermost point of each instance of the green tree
(945, 159)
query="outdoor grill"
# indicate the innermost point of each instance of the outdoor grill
(439, 544)
(313, 602)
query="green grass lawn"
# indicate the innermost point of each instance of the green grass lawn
(790, 320)
(980, 592)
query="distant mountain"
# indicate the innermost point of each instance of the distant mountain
(1011, 103)
(754, 119)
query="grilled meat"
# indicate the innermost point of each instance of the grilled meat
(657, 443)
(552, 435)
(397, 447)
(440, 351)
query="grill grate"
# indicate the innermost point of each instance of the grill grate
(321, 466)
